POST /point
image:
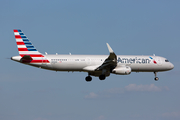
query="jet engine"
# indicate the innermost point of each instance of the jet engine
(123, 70)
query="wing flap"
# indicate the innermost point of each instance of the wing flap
(91, 68)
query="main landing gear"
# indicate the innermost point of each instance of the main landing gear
(156, 78)
(102, 77)
(89, 78)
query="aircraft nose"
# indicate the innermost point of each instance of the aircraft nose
(171, 66)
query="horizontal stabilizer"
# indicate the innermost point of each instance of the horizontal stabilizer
(26, 59)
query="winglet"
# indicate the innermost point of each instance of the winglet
(109, 48)
(112, 54)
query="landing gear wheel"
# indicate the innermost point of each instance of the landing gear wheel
(102, 77)
(88, 78)
(156, 78)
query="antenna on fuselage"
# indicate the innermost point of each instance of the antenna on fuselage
(154, 55)
(69, 53)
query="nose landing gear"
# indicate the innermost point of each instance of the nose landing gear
(156, 78)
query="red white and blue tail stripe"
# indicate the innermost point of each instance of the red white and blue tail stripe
(26, 48)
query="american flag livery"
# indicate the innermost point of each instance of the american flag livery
(27, 50)
(153, 60)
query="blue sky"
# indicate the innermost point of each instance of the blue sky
(131, 27)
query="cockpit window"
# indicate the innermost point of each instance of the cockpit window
(166, 60)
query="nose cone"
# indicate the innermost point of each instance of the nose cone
(171, 66)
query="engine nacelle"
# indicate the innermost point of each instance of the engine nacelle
(123, 70)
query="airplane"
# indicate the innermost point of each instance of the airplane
(95, 65)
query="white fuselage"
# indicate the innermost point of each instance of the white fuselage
(79, 62)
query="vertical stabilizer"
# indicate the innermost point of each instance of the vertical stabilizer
(26, 48)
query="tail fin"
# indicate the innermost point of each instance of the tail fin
(25, 47)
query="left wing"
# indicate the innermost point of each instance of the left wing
(111, 62)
